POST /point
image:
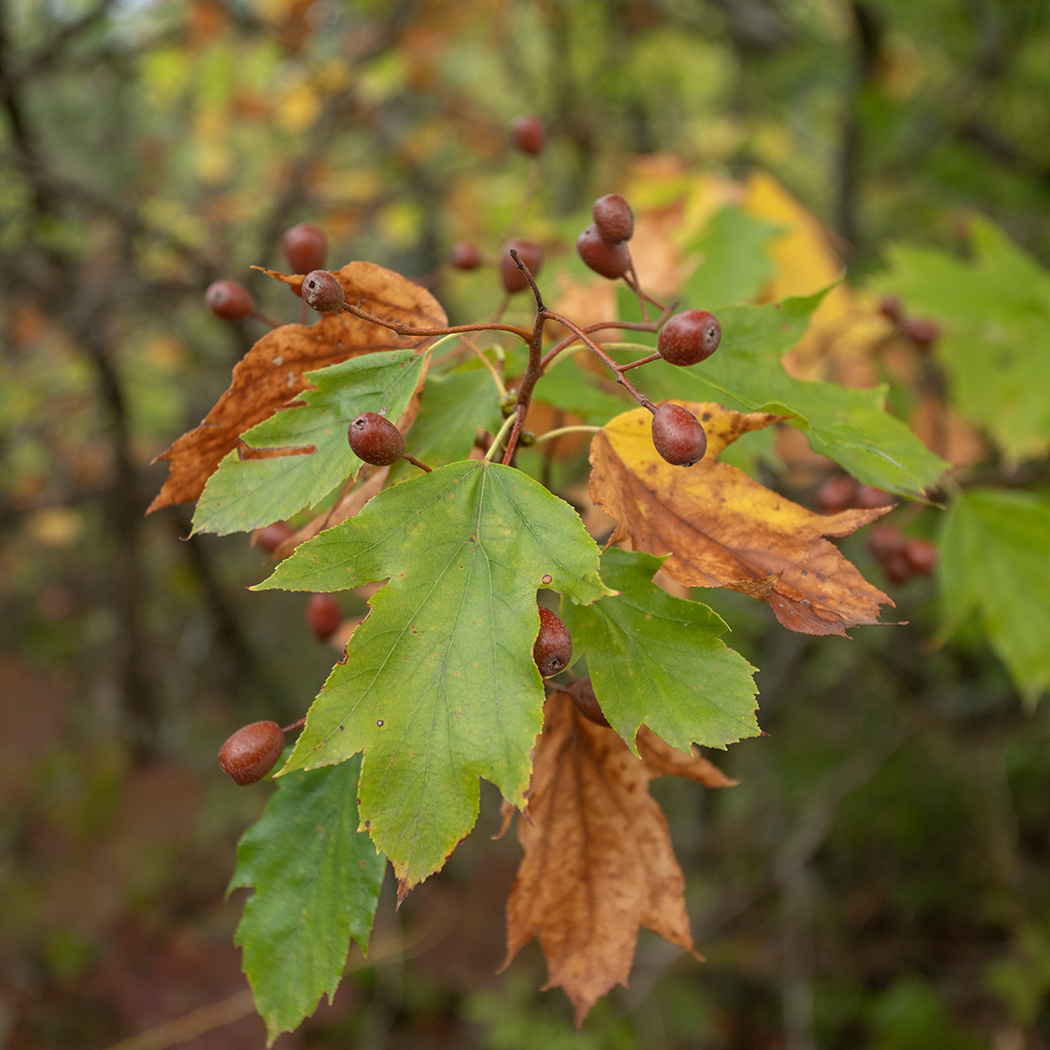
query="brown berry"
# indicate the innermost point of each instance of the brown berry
(837, 494)
(374, 439)
(465, 256)
(529, 134)
(923, 332)
(306, 247)
(613, 217)
(272, 536)
(890, 307)
(229, 300)
(870, 497)
(689, 338)
(885, 540)
(251, 752)
(581, 693)
(323, 616)
(605, 257)
(530, 253)
(896, 567)
(678, 435)
(921, 555)
(552, 649)
(323, 292)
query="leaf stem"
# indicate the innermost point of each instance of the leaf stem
(500, 434)
(557, 433)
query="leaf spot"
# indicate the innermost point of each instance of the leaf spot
(379, 723)
(548, 578)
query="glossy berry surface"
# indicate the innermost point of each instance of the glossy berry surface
(251, 752)
(581, 693)
(306, 247)
(608, 258)
(374, 439)
(552, 649)
(531, 255)
(678, 435)
(837, 494)
(613, 217)
(465, 256)
(689, 337)
(323, 292)
(920, 554)
(229, 300)
(323, 616)
(529, 134)
(270, 538)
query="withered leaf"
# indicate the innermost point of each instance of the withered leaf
(723, 529)
(270, 375)
(598, 859)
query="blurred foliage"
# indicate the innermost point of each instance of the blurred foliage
(880, 876)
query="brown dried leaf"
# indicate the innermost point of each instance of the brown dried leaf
(270, 375)
(598, 859)
(723, 529)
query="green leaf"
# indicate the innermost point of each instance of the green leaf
(316, 880)
(735, 263)
(995, 312)
(849, 426)
(245, 494)
(439, 686)
(995, 560)
(574, 389)
(658, 660)
(451, 409)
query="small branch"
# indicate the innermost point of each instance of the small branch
(605, 359)
(416, 463)
(552, 434)
(627, 326)
(640, 361)
(406, 329)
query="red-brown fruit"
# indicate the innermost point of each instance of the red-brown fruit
(531, 255)
(896, 567)
(529, 134)
(837, 494)
(921, 555)
(323, 292)
(885, 540)
(465, 256)
(678, 435)
(229, 300)
(890, 308)
(323, 616)
(924, 333)
(552, 649)
(870, 497)
(374, 439)
(251, 752)
(581, 693)
(272, 536)
(306, 247)
(613, 217)
(608, 258)
(689, 337)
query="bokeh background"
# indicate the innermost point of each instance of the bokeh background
(881, 876)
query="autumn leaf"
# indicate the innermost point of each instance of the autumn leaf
(439, 685)
(723, 529)
(598, 859)
(271, 374)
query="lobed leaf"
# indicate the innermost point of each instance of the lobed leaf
(723, 529)
(658, 660)
(849, 426)
(598, 858)
(439, 686)
(995, 312)
(307, 441)
(273, 372)
(316, 882)
(995, 561)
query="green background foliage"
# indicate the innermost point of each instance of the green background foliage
(879, 878)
